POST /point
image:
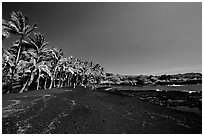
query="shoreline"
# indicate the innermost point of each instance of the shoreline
(185, 101)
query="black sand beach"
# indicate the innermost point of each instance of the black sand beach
(83, 111)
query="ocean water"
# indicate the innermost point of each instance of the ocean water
(162, 87)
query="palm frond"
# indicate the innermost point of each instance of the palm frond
(5, 29)
(13, 28)
(18, 24)
(15, 19)
(30, 29)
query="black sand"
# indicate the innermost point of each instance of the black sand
(84, 111)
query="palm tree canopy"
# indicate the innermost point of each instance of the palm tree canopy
(5, 30)
(8, 58)
(18, 24)
(38, 42)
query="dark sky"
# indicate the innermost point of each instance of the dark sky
(125, 38)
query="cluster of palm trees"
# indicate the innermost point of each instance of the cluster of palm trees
(31, 64)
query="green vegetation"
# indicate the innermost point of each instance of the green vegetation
(30, 64)
(187, 78)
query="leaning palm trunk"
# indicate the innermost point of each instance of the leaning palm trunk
(13, 69)
(63, 83)
(24, 82)
(24, 86)
(30, 80)
(53, 78)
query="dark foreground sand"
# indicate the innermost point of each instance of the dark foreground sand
(68, 110)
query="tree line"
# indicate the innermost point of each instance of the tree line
(30, 64)
(187, 78)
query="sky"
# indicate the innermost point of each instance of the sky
(125, 38)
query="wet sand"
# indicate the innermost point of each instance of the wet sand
(83, 111)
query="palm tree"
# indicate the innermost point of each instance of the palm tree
(39, 44)
(56, 55)
(7, 58)
(29, 69)
(42, 68)
(23, 69)
(61, 71)
(8, 62)
(29, 55)
(18, 25)
(69, 70)
(29, 60)
(26, 55)
(99, 72)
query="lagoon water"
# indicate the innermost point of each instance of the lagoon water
(187, 88)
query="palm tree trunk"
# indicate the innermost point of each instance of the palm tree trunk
(67, 79)
(53, 78)
(45, 84)
(51, 82)
(60, 78)
(19, 50)
(17, 57)
(70, 79)
(62, 82)
(30, 80)
(24, 86)
(11, 84)
(68, 75)
(54, 82)
(38, 82)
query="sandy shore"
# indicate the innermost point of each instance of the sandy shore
(83, 111)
